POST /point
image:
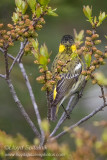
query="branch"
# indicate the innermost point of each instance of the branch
(6, 63)
(19, 55)
(9, 55)
(71, 105)
(2, 76)
(32, 98)
(17, 59)
(21, 108)
(63, 117)
(79, 122)
(103, 95)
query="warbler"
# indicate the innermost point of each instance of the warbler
(69, 71)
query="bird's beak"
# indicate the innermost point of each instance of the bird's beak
(67, 43)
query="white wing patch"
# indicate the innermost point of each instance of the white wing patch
(78, 66)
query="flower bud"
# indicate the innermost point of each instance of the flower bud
(101, 60)
(89, 32)
(97, 41)
(99, 52)
(94, 49)
(94, 36)
(88, 72)
(105, 55)
(40, 79)
(89, 44)
(36, 62)
(61, 63)
(94, 81)
(1, 25)
(96, 56)
(88, 39)
(84, 73)
(10, 26)
(95, 62)
(92, 68)
(97, 66)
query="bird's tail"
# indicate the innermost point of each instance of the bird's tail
(53, 113)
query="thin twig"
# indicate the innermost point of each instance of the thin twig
(79, 122)
(62, 118)
(32, 98)
(21, 108)
(6, 63)
(19, 55)
(103, 96)
(19, 103)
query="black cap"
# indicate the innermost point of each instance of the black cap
(67, 38)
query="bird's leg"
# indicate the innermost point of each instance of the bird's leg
(79, 94)
(68, 116)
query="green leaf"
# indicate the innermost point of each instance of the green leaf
(88, 13)
(79, 37)
(52, 12)
(101, 18)
(24, 7)
(35, 44)
(44, 2)
(87, 58)
(43, 60)
(15, 17)
(38, 11)
(32, 4)
(44, 51)
(18, 3)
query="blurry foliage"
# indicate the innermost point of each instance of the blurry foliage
(87, 146)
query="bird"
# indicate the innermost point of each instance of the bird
(69, 72)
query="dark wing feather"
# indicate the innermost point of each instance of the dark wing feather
(67, 82)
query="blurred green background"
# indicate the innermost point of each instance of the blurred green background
(70, 17)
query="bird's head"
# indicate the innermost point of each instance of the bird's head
(67, 41)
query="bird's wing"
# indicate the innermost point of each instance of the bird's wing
(67, 83)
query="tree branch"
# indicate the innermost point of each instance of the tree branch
(9, 55)
(19, 55)
(21, 108)
(103, 95)
(6, 63)
(86, 117)
(2, 76)
(79, 122)
(32, 98)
